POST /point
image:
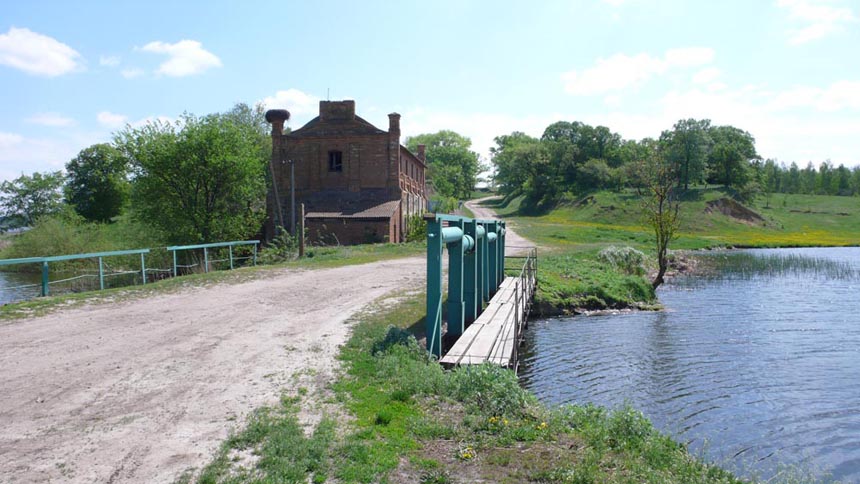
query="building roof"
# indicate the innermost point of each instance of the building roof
(367, 204)
(336, 127)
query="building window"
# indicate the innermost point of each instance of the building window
(335, 161)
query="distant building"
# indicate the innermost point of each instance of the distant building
(358, 183)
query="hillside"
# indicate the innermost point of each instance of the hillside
(607, 218)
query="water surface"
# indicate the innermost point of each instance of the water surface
(756, 365)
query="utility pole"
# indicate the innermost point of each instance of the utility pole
(292, 198)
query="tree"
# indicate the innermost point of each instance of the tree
(29, 197)
(201, 179)
(729, 158)
(659, 205)
(97, 186)
(687, 147)
(453, 166)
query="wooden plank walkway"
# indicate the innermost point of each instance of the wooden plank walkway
(495, 335)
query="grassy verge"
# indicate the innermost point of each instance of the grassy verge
(413, 422)
(319, 258)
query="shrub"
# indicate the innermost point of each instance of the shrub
(489, 389)
(624, 259)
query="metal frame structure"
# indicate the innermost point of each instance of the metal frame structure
(175, 248)
(476, 268)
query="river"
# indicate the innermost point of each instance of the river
(756, 365)
(16, 286)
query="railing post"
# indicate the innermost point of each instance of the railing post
(231, 256)
(502, 254)
(470, 274)
(255, 253)
(205, 259)
(101, 274)
(485, 272)
(174, 263)
(45, 278)
(433, 322)
(455, 284)
(493, 269)
(143, 268)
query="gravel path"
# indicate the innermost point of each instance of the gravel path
(140, 391)
(515, 244)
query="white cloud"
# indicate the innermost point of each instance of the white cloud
(131, 73)
(612, 101)
(37, 54)
(614, 3)
(295, 101)
(621, 71)
(111, 120)
(185, 58)
(839, 95)
(818, 18)
(706, 75)
(51, 119)
(109, 60)
(19, 154)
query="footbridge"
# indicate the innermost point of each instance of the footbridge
(489, 295)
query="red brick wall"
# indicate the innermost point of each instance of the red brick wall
(349, 231)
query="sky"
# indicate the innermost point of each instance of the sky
(787, 71)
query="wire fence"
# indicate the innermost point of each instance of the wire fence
(24, 279)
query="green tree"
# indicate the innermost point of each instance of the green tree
(453, 166)
(730, 156)
(687, 147)
(27, 198)
(200, 180)
(660, 207)
(97, 186)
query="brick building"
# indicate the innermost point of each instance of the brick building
(358, 183)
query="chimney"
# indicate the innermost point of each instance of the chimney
(394, 125)
(277, 117)
(337, 110)
(422, 153)
(394, 152)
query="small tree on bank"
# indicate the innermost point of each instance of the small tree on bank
(660, 207)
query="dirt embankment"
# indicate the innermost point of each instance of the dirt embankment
(141, 391)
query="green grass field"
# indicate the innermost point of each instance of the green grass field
(572, 234)
(615, 218)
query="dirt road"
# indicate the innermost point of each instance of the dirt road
(514, 242)
(140, 391)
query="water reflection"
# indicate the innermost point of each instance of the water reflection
(765, 368)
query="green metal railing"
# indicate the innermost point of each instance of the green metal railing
(476, 268)
(231, 258)
(45, 262)
(102, 273)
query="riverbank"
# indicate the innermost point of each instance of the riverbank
(573, 279)
(409, 421)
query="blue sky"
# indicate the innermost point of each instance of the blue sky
(71, 73)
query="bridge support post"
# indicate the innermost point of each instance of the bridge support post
(484, 264)
(493, 259)
(502, 252)
(433, 322)
(455, 283)
(470, 274)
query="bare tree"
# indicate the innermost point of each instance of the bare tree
(660, 207)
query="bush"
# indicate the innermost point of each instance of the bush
(489, 389)
(624, 259)
(416, 228)
(283, 247)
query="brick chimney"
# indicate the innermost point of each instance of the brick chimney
(277, 117)
(394, 152)
(422, 153)
(337, 110)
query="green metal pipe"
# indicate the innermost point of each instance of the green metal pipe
(101, 274)
(451, 235)
(143, 268)
(468, 243)
(44, 278)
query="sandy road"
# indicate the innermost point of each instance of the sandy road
(515, 244)
(140, 391)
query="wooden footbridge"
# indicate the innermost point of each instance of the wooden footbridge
(488, 302)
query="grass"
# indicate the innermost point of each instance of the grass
(318, 258)
(571, 276)
(413, 422)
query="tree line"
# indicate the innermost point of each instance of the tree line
(576, 157)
